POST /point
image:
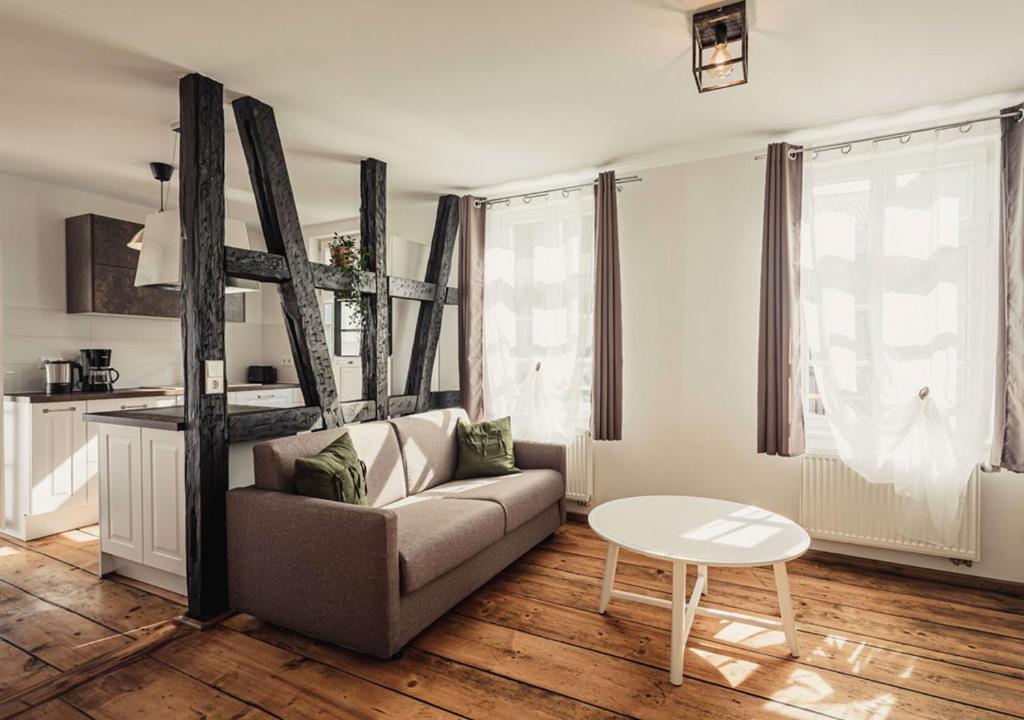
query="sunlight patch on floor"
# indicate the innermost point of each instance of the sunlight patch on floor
(735, 671)
(808, 689)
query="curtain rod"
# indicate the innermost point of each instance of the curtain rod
(527, 197)
(903, 137)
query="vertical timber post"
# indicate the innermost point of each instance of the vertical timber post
(373, 236)
(202, 328)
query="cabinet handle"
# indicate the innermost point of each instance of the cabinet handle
(264, 397)
(47, 411)
(134, 407)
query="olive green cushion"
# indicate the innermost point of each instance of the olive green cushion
(334, 473)
(485, 449)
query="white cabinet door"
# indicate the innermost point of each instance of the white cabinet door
(92, 429)
(120, 481)
(349, 379)
(59, 465)
(163, 500)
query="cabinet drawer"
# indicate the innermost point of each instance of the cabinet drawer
(281, 398)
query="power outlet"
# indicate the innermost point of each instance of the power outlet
(287, 362)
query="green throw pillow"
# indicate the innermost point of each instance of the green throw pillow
(334, 473)
(485, 449)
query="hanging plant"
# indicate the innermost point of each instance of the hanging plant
(347, 255)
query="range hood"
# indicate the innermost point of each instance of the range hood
(160, 254)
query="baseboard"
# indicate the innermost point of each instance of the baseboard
(61, 520)
(144, 573)
(973, 582)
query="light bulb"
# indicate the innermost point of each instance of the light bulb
(719, 58)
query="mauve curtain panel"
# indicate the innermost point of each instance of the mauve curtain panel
(471, 305)
(607, 314)
(780, 417)
(1008, 429)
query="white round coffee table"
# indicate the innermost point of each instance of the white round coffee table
(704, 532)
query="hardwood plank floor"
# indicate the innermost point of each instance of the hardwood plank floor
(527, 644)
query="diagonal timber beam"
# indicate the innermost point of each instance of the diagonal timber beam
(280, 221)
(431, 312)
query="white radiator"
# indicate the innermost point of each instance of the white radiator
(579, 470)
(838, 504)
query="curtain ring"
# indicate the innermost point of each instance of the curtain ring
(526, 199)
(966, 128)
(904, 139)
(508, 202)
(477, 204)
(1020, 115)
(791, 154)
(814, 154)
(923, 392)
(565, 193)
(845, 149)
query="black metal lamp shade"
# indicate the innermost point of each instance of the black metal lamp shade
(720, 47)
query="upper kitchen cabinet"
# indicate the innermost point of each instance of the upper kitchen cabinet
(101, 273)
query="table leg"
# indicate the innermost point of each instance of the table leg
(786, 608)
(611, 561)
(702, 572)
(678, 620)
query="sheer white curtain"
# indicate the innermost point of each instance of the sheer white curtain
(539, 315)
(899, 278)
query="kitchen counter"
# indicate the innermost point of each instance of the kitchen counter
(171, 391)
(159, 418)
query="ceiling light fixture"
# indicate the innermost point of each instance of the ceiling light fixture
(720, 47)
(159, 244)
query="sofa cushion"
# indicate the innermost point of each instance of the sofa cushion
(436, 535)
(428, 446)
(484, 449)
(375, 443)
(335, 473)
(522, 497)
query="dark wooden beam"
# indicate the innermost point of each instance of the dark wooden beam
(358, 410)
(452, 296)
(445, 399)
(328, 277)
(280, 220)
(431, 313)
(401, 405)
(255, 265)
(271, 423)
(201, 199)
(408, 289)
(374, 349)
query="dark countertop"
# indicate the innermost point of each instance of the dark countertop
(165, 418)
(169, 391)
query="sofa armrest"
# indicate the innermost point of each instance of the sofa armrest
(320, 567)
(532, 455)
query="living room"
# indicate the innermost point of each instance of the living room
(642, 359)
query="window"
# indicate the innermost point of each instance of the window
(898, 281)
(539, 305)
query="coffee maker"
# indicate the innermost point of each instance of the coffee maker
(97, 375)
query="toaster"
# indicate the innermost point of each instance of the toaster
(262, 374)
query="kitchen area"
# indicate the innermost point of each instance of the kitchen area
(68, 463)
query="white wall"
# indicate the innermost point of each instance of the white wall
(147, 351)
(690, 259)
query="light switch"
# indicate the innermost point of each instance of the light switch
(214, 377)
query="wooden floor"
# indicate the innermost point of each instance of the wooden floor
(527, 645)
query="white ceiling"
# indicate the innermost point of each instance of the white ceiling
(458, 95)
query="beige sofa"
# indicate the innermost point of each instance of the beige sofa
(372, 577)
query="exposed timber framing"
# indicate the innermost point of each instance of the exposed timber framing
(280, 221)
(428, 322)
(374, 349)
(206, 263)
(202, 325)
